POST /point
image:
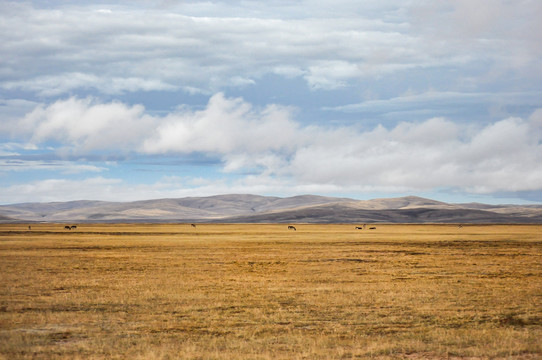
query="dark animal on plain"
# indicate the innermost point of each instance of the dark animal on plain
(460, 226)
(193, 225)
(359, 228)
(372, 228)
(290, 227)
(74, 226)
(67, 227)
(29, 227)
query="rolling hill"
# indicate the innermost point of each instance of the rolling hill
(245, 208)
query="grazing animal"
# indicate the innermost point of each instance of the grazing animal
(193, 225)
(372, 228)
(29, 227)
(359, 228)
(67, 227)
(74, 226)
(460, 226)
(290, 227)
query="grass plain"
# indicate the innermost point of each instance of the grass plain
(261, 291)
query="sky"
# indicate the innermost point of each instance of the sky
(133, 100)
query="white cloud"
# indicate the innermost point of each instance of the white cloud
(62, 83)
(479, 19)
(115, 189)
(435, 153)
(11, 112)
(13, 148)
(83, 125)
(268, 143)
(436, 99)
(49, 190)
(225, 126)
(160, 49)
(64, 167)
(506, 35)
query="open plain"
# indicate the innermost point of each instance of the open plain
(261, 291)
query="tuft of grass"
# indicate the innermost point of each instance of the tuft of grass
(262, 292)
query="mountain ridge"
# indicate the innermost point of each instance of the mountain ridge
(235, 208)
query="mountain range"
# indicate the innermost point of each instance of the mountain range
(243, 208)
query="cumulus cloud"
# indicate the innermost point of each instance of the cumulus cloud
(502, 156)
(428, 155)
(268, 143)
(84, 125)
(225, 126)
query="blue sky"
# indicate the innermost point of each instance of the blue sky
(133, 100)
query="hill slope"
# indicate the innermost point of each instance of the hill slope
(255, 208)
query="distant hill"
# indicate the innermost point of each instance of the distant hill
(6, 219)
(244, 208)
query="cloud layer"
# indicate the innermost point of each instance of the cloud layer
(347, 97)
(268, 142)
(129, 49)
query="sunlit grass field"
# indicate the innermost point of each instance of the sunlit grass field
(265, 292)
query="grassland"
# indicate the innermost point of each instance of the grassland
(264, 292)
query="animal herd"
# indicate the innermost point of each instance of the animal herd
(365, 226)
(290, 227)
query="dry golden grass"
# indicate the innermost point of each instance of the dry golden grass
(264, 292)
